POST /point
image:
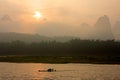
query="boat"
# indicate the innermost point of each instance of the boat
(48, 70)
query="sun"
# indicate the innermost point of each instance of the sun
(37, 15)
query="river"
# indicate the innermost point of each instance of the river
(29, 71)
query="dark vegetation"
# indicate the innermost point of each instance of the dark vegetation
(73, 51)
(61, 59)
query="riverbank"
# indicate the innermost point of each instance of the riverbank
(61, 59)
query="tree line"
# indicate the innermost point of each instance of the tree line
(74, 47)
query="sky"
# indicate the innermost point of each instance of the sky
(59, 17)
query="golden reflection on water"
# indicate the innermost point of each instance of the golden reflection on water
(23, 71)
(33, 72)
(16, 71)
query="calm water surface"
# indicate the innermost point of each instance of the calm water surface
(29, 71)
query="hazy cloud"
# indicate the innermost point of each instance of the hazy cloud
(60, 17)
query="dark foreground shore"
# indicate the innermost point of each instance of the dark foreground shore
(61, 59)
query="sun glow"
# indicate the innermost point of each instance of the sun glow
(37, 15)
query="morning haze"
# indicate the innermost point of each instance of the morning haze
(87, 19)
(59, 40)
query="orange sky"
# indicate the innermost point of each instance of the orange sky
(72, 10)
(68, 12)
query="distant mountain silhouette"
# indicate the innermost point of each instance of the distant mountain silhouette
(8, 37)
(6, 18)
(103, 28)
(85, 31)
(117, 30)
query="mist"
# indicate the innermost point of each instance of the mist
(80, 18)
